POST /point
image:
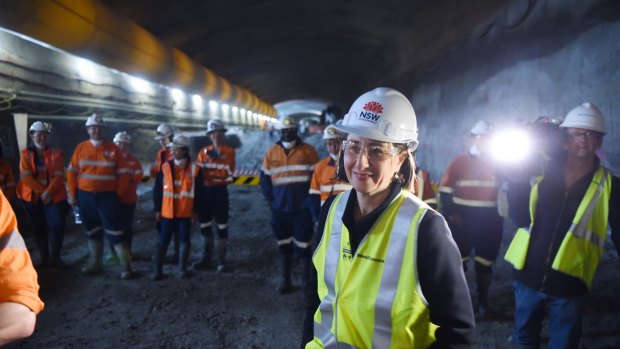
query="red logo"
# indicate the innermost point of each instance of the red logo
(373, 107)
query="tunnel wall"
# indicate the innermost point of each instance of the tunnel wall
(564, 53)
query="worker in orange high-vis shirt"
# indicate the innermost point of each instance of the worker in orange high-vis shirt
(285, 182)
(324, 182)
(177, 196)
(468, 199)
(129, 198)
(41, 191)
(165, 134)
(217, 162)
(96, 176)
(7, 180)
(19, 290)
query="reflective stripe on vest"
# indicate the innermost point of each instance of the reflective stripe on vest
(381, 262)
(582, 246)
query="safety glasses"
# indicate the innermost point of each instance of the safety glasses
(374, 152)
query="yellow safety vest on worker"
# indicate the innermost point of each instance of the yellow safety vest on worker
(582, 247)
(372, 298)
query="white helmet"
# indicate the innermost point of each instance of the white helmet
(40, 126)
(122, 137)
(286, 123)
(215, 125)
(586, 116)
(481, 128)
(382, 114)
(179, 142)
(331, 132)
(94, 120)
(163, 131)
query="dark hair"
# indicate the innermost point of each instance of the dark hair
(406, 173)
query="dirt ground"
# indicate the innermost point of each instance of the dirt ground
(240, 308)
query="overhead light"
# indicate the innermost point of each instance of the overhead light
(235, 109)
(225, 107)
(176, 93)
(85, 68)
(213, 104)
(197, 100)
(140, 85)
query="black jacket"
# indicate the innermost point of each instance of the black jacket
(440, 274)
(554, 214)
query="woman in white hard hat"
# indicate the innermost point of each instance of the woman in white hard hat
(387, 272)
(42, 193)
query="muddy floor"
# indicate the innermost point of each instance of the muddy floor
(237, 309)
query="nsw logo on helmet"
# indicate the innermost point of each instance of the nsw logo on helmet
(371, 112)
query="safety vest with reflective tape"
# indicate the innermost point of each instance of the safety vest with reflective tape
(324, 182)
(34, 180)
(17, 275)
(179, 189)
(471, 181)
(372, 299)
(582, 246)
(97, 169)
(216, 169)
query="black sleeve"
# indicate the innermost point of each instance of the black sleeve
(314, 204)
(518, 196)
(310, 292)
(614, 213)
(158, 191)
(446, 203)
(199, 192)
(443, 284)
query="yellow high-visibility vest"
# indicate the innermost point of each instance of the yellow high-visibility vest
(582, 247)
(372, 298)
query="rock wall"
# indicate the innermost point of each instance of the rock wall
(561, 54)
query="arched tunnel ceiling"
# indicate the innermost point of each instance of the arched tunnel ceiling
(320, 50)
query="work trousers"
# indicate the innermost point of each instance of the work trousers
(293, 230)
(100, 212)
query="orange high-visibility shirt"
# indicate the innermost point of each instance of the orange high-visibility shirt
(97, 169)
(135, 177)
(7, 180)
(324, 180)
(218, 165)
(18, 279)
(472, 181)
(48, 176)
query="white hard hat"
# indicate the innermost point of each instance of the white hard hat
(286, 123)
(331, 132)
(215, 125)
(122, 137)
(94, 120)
(382, 114)
(481, 128)
(179, 142)
(40, 126)
(586, 116)
(163, 131)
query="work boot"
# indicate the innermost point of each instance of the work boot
(158, 263)
(183, 260)
(285, 285)
(221, 255)
(124, 257)
(94, 264)
(55, 260)
(483, 282)
(207, 251)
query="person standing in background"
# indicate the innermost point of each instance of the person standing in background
(217, 162)
(42, 193)
(7, 180)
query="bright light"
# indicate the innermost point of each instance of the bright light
(242, 112)
(176, 93)
(140, 85)
(235, 109)
(86, 68)
(510, 146)
(213, 104)
(225, 107)
(197, 100)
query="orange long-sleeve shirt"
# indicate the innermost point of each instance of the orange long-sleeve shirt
(46, 176)
(324, 180)
(135, 176)
(98, 169)
(218, 165)
(18, 279)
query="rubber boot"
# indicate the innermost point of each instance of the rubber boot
(207, 251)
(221, 255)
(42, 245)
(94, 264)
(158, 264)
(285, 285)
(184, 250)
(111, 258)
(55, 260)
(483, 282)
(124, 257)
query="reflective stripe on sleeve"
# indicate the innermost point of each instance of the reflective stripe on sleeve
(97, 163)
(291, 179)
(292, 168)
(480, 183)
(95, 177)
